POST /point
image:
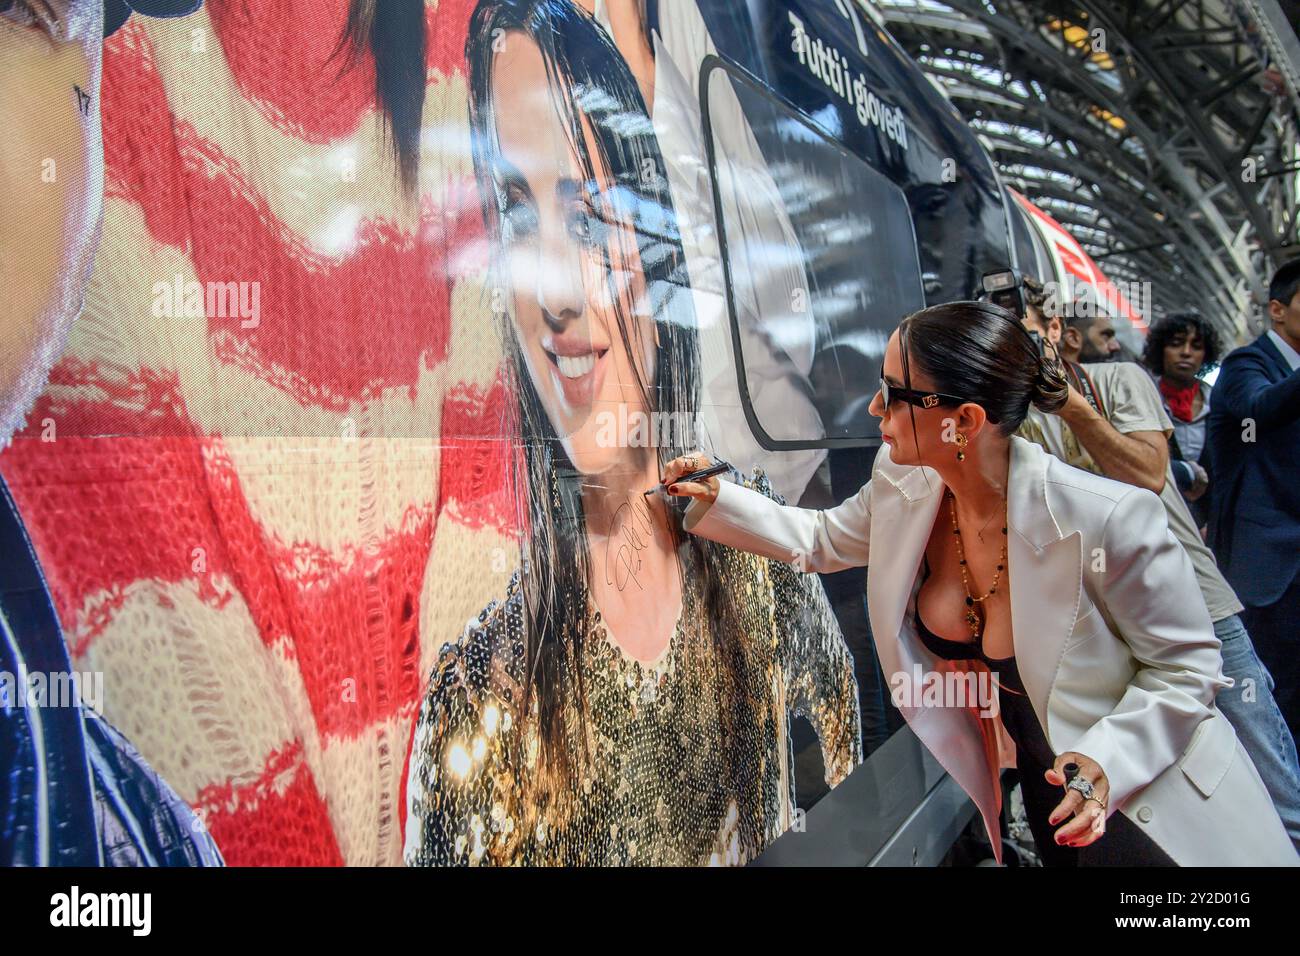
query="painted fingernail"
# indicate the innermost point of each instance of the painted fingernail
(672, 489)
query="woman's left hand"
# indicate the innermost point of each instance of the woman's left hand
(1089, 821)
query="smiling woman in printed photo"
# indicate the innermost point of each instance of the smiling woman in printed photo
(627, 701)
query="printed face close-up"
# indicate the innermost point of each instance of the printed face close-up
(570, 267)
(51, 182)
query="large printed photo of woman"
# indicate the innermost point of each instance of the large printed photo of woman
(627, 699)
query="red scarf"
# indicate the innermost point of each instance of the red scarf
(1179, 398)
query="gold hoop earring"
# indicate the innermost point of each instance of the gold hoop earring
(961, 446)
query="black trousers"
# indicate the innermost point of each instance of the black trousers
(1275, 630)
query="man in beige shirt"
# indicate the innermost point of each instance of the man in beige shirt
(1122, 431)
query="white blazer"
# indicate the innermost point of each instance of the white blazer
(1112, 640)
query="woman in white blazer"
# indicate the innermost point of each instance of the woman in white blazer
(1068, 586)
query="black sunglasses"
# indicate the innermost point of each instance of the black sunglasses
(896, 393)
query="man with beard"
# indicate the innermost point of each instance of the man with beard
(1089, 338)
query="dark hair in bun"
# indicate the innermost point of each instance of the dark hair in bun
(980, 352)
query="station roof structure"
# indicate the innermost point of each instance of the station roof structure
(1163, 134)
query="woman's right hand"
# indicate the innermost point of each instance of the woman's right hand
(706, 490)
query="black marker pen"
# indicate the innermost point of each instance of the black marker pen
(709, 472)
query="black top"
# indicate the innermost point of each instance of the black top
(1013, 702)
(957, 650)
(1125, 844)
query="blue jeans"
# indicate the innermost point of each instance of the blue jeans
(1254, 714)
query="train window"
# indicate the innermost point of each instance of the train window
(1046, 270)
(1022, 241)
(815, 290)
(1032, 258)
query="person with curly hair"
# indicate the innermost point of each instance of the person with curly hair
(1180, 349)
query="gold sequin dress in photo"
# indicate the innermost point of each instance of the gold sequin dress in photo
(661, 783)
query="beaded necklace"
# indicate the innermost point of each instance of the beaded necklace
(972, 618)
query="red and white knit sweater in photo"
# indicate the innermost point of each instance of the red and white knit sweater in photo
(261, 534)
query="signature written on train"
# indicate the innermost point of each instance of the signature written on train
(631, 530)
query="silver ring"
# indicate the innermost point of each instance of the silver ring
(1083, 787)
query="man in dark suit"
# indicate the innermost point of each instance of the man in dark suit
(1254, 445)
